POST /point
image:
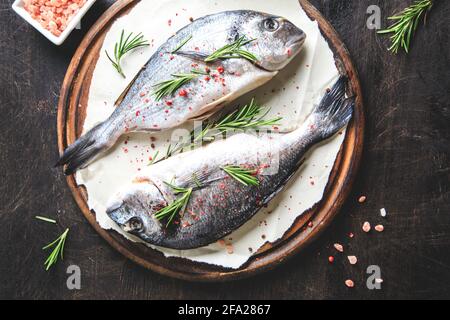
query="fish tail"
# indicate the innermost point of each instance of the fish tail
(84, 150)
(334, 111)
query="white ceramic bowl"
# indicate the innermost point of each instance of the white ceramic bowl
(18, 8)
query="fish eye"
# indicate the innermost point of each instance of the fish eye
(135, 224)
(270, 24)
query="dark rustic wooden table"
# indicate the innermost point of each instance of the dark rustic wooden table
(405, 169)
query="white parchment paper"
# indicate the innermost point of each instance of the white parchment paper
(292, 95)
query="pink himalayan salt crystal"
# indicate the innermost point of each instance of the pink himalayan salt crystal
(379, 228)
(352, 259)
(53, 15)
(366, 227)
(349, 283)
(339, 247)
(221, 243)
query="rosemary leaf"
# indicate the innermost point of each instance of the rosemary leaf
(45, 219)
(169, 87)
(58, 250)
(154, 158)
(242, 175)
(233, 51)
(248, 117)
(125, 45)
(181, 45)
(179, 205)
(406, 23)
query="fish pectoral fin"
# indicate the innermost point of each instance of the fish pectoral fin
(165, 191)
(206, 115)
(199, 56)
(211, 108)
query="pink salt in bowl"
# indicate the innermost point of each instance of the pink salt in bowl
(57, 22)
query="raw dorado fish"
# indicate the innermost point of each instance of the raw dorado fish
(276, 42)
(219, 204)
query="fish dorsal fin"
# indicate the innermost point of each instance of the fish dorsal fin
(283, 185)
(201, 178)
(125, 92)
(195, 55)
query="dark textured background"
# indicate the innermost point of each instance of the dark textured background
(405, 169)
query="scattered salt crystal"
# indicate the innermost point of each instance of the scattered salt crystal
(383, 212)
(379, 281)
(379, 228)
(362, 199)
(366, 227)
(349, 283)
(339, 247)
(352, 259)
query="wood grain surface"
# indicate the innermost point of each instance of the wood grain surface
(405, 169)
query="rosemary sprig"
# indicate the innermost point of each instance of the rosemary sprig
(181, 45)
(406, 23)
(245, 176)
(250, 116)
(45, 219)
(169, 87)
(125, 45)
(233, 51)
(58, 250)
(169, 212)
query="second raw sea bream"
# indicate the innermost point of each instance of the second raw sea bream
(196, 198)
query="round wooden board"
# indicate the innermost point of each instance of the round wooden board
(71, 115)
